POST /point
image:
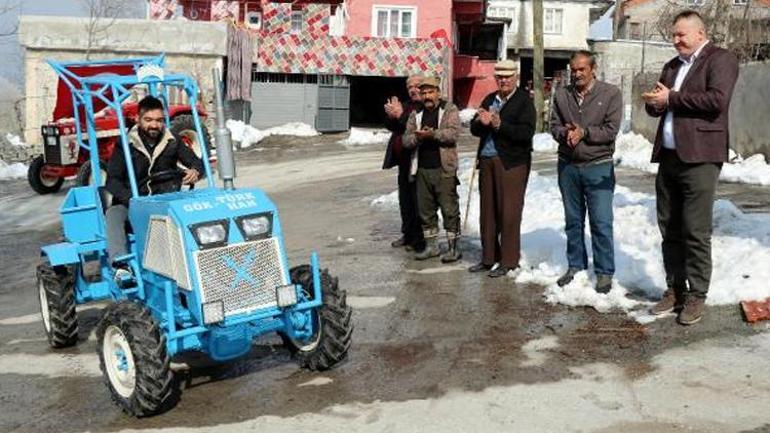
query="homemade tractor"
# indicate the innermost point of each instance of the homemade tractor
(65, 155)
(210, 266)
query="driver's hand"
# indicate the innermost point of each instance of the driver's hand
(191, 176)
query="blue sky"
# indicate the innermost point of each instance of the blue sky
(10, 52)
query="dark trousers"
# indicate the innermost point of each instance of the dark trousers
(685, 198)
(116, 217)
(502, 201)
(437, 190)
(588, 188)
(407, 204)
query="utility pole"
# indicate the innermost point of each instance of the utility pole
(538, 62)
(616, 21)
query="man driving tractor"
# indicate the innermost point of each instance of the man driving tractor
(154, 151)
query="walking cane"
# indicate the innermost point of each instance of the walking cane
(470, 193)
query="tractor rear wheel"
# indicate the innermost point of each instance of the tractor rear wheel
(183, 126)
(85, 174)
(332, 323)
(39, 182)
(133, 359)
(56, 292)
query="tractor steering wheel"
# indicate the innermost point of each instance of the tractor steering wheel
(166, 180)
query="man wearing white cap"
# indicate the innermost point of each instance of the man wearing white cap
(505, 124)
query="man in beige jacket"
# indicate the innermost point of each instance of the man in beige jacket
(434, 132)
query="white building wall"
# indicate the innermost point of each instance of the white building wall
(574, 24)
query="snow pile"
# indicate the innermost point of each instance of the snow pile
(247, 135)
(365, 136)
(741, 249)
(634, 151)
(466, 115)
(15, 140)
(16, 170)
(545, 143)
(752, 170)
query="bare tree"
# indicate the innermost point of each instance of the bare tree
(101, 16)
(745, 30)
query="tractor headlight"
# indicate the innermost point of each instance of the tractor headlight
(213, 312)
(286, 295)
(210, 234)
(50, 135)
(255, 226)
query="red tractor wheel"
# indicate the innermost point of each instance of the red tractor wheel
(39, 181)
(183, 126)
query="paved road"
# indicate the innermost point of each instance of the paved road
(436, 348)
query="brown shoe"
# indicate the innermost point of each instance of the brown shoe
(692, 311)
(669, 303)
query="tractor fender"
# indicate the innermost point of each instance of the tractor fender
(64, 253)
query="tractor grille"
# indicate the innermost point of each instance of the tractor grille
(244, 277)
(163, 251)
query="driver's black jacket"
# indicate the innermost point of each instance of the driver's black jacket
(167, 153)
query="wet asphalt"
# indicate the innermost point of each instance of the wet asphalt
(422, 329)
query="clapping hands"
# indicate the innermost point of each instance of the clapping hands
(657, 97)
(489, 118)
(574, 134)
(393, 108)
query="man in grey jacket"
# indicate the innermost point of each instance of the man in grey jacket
(585, 121)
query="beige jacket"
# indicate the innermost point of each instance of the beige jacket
(447, 134)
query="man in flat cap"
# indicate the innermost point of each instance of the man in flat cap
(434, 132)
(505, 124)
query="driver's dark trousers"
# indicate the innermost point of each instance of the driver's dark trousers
(116, 217)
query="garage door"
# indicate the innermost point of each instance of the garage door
(277, 99)
(333, 103)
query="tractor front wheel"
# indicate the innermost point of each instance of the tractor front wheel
(133, 359)
(39, 182)
(332, 322)
(56, 292)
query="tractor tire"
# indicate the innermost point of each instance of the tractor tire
(183, 126)
(133, 359)
(333, 320)
(83, 177)
(39, 183)
(56, 292)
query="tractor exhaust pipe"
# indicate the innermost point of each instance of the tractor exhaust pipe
(223, 138)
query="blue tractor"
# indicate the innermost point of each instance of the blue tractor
(210, 263)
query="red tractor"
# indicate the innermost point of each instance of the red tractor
(63, 158)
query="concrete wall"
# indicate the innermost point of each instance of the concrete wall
(620, 61)
(191, 47)
(432, 15)
(749, 128)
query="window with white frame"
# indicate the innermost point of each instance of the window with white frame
(694, 2)
(394, 22)
(504, 12)
(297, 18)
(552, 21)
(740, 2)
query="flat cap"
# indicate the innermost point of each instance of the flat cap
(506, 68)
(431, 82)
